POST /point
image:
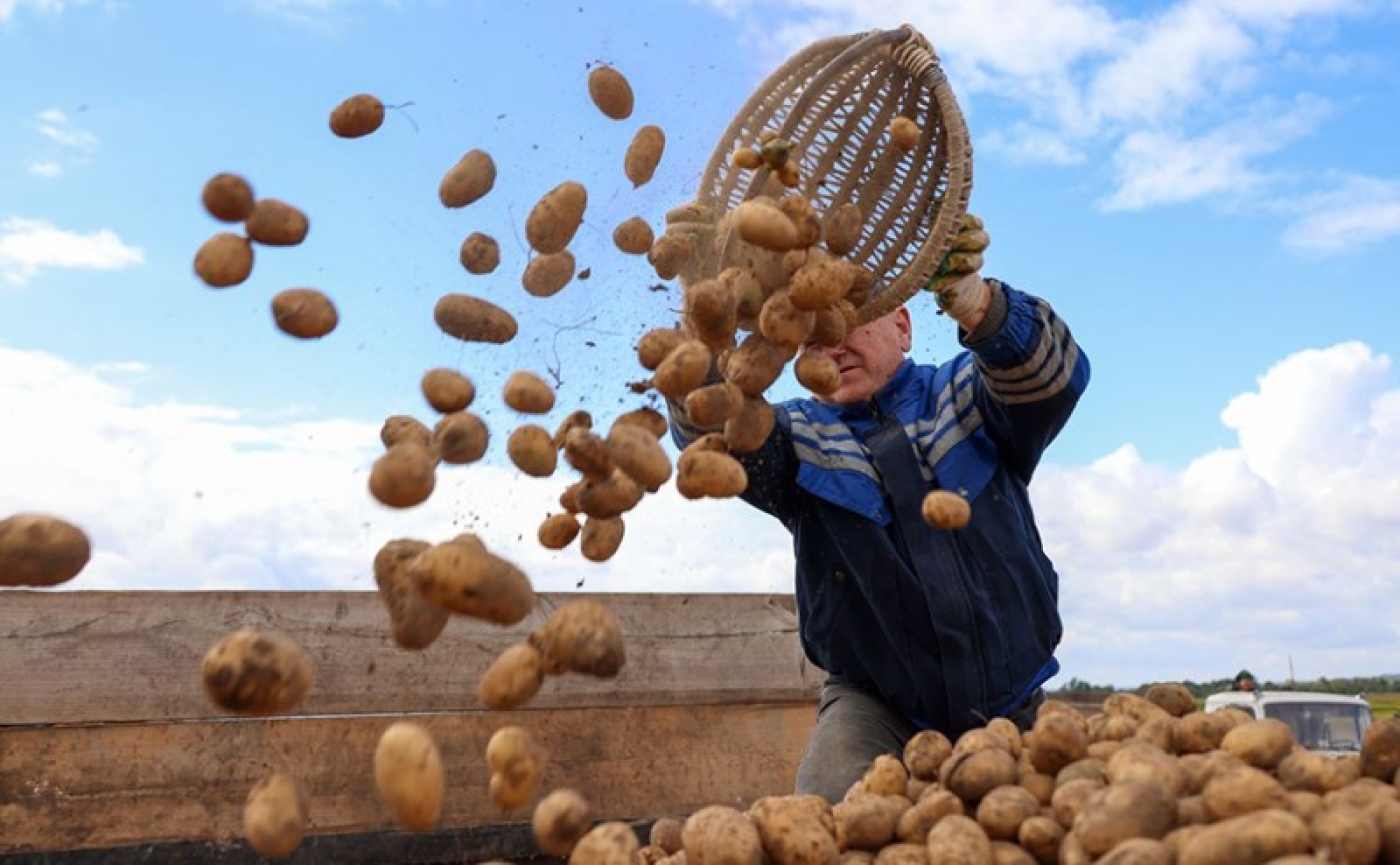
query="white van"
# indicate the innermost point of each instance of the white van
(1330, 723)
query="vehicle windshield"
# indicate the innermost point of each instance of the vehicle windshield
(1323, 726)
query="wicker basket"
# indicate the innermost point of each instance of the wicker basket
(834, 101)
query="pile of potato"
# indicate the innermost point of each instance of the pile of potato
(1148, 781)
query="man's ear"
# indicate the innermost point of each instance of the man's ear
(905, 325)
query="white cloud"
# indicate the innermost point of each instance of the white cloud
(1355, 212)
(8, 8)
(1154, 168)
(43, 168)
(1278, 550)
(56, 126)
(30, 245)
(320, 16)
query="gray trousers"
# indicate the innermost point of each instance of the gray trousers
(853, 728)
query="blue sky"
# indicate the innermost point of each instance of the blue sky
(1207, 192)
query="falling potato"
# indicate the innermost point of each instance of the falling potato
(610, 92)
(946, 510)
(357, 116)
(274, 222)
(41, 550)
(409, 775)
(447, 390)
(471, 178)
(275, 815)
(528, 393)
(305, 313)
(473, 319)
(228, 197)
(256, 672)
(224, 260)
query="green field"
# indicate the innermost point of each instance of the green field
(1384, 704)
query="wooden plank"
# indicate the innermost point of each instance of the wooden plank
(82, 787)
(81, 657)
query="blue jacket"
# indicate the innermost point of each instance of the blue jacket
(950, 628)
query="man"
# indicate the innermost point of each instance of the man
(1244, 681)
(920, 628)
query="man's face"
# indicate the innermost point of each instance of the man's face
(869, 357)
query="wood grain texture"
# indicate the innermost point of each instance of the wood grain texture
(87, 657)
(108, 785)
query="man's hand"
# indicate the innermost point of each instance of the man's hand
(960, 292)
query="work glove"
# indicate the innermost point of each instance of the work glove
(960, 292)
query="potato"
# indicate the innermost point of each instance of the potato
(711, 314)
(256, 672)
(1174, 698)
(587, 452)
(275, 815)
(405, 428)
(547, 274)
(480, 253)
(600, 538)
(555, 218)
(817, 372)
(1041, 836)
(970, 775)
(841, 228)
(1001, 812)
(512, 679)
(647, 418)
(1380, 749)
(610, 843)
(634, 236)
(749, 429)
(1240, 791)
(714, 404)
(613, 496)
(1312, 772)
(558, 531)
(413, 622)
(41, 550)
(819, 284)
(224, 260)
(958, 838)
(925, 752)
(409, 775)
(946, 510)
(1345, 834)
(784, 324)
(764, 226)
(560, 819)
(274, 222)
(357, 116)
(472, 319)
(305, 313)
(1200, 732)
(447, 390)
(638, 452)
(466, 578)
(709, 474)
(1119, 811)
(683, 369)
(886, 776)
(666, 833)
(532, 450)
(792, 831)
(799, 210)
(655, 344)
(670, 254)
(581, 636)
(578, 418)
(228, 197)
(469, 180)
(1056, 741)
(1246, 840)
(404, 476)
(528, 393)
(643, 154)
(610, 92)
(829, 328)
(719, 834)
(1138, 760)
(1262, 743)
(904, 134)
(515, 762)
(460, 437)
